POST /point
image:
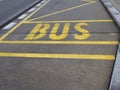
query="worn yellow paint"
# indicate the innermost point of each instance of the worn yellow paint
(62, 42)
(15, 27)
(63, 56)
(39, 28)
(70, 21)
(85, 33)
(64, 10)
(64, 33)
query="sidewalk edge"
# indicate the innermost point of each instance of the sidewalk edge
(115, 78)
(113, 11)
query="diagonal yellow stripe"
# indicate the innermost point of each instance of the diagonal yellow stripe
(20, 23)
(61, 11)
(62, 56)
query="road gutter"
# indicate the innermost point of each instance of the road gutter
(16, 15)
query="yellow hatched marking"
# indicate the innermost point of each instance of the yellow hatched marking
(62, 42)
(69, 21)
(64, 10)
(14, 28)
(62, 56)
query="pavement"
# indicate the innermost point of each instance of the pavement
(113, 7)
(116, 4)
(59, 45)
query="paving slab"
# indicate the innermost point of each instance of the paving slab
(116, 4)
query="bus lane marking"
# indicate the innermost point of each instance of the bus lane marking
(61, 56)
(62, 42)
(40, 31)
(70, 21)
(22, 22)
(30, 37)
(62, 11)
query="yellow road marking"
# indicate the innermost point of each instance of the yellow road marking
(63, 35)
(38, 29)
(61, 11)
(85, 32)
(63, 56)
(14, 28)
(69, 21)
(62, 42)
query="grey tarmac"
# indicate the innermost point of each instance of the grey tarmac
(62, 45)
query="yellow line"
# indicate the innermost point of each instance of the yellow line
(63, 56)
(64, 10)
(62, 42)
(13, 29)
(69, 21)
(36, 10)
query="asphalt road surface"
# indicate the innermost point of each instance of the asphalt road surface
(60, 45)
(10, 8)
